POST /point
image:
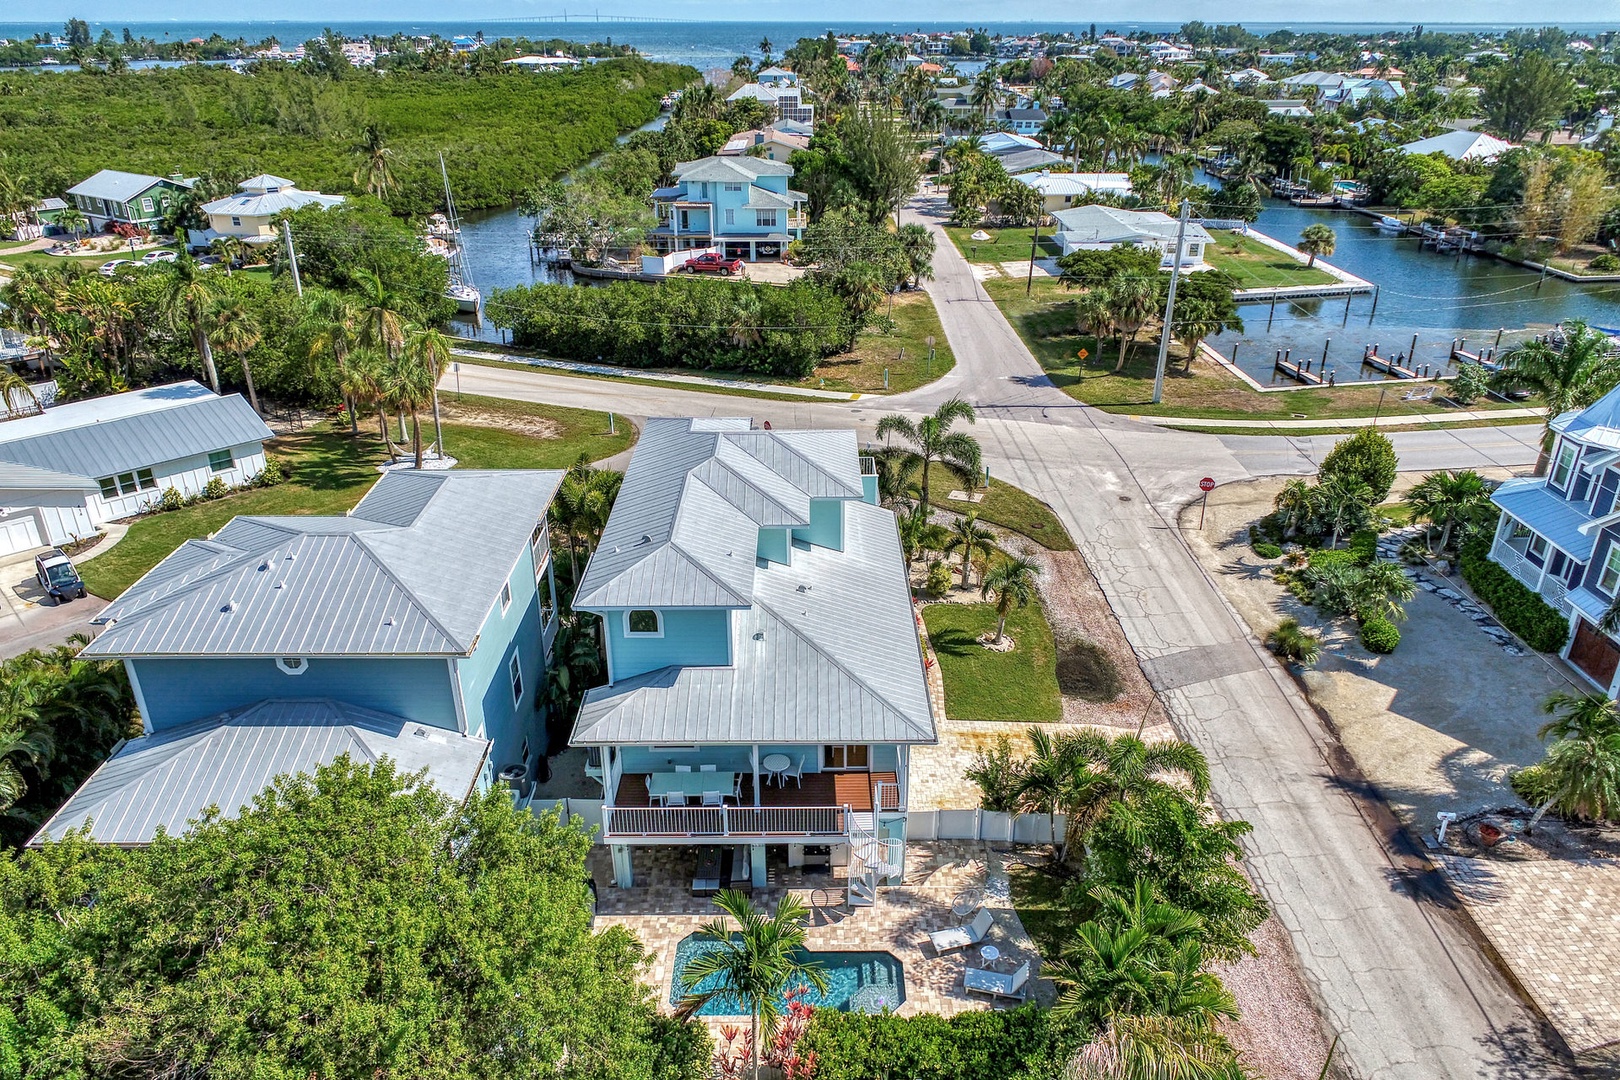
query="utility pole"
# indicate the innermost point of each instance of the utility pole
(1034, 246)
(1170, 304)
(292, 258)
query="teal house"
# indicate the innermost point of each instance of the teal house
(766, 678)
(739, 204)
(417, 626)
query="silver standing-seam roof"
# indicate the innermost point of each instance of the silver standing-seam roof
(825, 649)
(115, 186)
(413, 570)
(27, 478)
(169, 779)
(123, 432)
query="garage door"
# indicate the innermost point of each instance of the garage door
(1594, 653)
(19, 534)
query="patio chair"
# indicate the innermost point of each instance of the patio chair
(995, 984)
(714, 798)
(683, 768)
(708, 768)
(960, 937)
(657, 798)
(736, 788)
(797, 773)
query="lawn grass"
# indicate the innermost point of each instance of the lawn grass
(329, 470)
(1045, 320)
(17, 260)
(1005, 505)
(1004, 245)
(904, 352)
(981, 684)
(1256, 266)
(1037, 897)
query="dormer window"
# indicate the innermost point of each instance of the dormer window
(643, 622)
(292, 665)
(1565, 463)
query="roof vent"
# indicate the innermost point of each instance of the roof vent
(281, 584)
(804, 588)
(645, 539)
(759, 635)
(230, 606)
(264, 565)
(388, 621)
(420, 733)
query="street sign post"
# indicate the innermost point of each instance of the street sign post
(1206, 485)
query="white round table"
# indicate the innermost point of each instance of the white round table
(776, 765)
(989, 954)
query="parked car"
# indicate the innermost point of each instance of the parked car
(108, 269)
(712, 263)
(152, 258)
(56, 575)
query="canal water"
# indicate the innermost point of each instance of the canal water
(1422, 294)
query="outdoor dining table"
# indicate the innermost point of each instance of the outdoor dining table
(776, 765)
(691, 786)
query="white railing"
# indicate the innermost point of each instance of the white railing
(1554, 591)
(1513, 561)
(885, 795)
(750, 821)
(541, 545)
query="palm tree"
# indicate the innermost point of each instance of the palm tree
(432, 347)
(917, 243)
(932, 440)
(1317, 240)
(231, 250)
(1581, 772)
(375, 172)
(752, 965)
(584, 501)
(183, 301)
(1379, 590)
(1342, 503)
(1135, 298)
(1091, 777)
(971, 538)
(236, 329)
(329, 330)
(1445, 498)
(407, 384)
(1296, 506)
(14, 391)
(1568, 377)
(73, 220)
(1013, 581)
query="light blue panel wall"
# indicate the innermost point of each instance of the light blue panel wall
(885, 758)
(696, 220)
(692, 638)
(642, 759)
(773, 545)
(811, 755)
(826, 524)
(179, 691)
(486, 682)
(869, 486)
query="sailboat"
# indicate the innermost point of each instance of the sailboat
(461, 290)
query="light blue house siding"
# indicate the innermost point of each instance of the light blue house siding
(692, 637)
(486, 675)
(826, 527)
(178, 691)
(773, 545)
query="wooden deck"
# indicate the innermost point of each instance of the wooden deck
(852, 789)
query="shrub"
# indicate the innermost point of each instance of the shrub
(999, 776)
(1364, 546)
(977, 1045)
(1515, 606)
(1267, 551)
(1085, 670)
(1471, 382)
(215, 489)
(1605, 264)
(1367, 456)
(1379, 635)
(171, 499)
(1325, 558)
(271, 475)
(1292, 641)
(939, 578)
(1532, 784)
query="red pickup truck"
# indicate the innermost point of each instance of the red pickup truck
(712, 263)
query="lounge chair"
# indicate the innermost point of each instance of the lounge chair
(960, 937)
(1419, 395)
(997, 985)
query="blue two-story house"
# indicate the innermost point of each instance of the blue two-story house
(1559, 534)
(417, 626)
(766, 678)
(741, 205)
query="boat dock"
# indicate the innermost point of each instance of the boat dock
(1485, 359)
(1300, 371)
(1396, 368)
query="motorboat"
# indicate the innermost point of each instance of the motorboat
(1391, 224)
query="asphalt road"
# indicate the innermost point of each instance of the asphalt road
(1390, 962)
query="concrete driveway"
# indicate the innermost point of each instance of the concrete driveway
(31, 620)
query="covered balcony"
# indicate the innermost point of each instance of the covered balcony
(650, 807)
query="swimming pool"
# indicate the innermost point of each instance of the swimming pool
(856, 981)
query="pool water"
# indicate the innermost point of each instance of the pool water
(856, 981)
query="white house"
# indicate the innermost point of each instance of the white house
(1461, 146)
(70, 468)
(251, 212)
(1060, 190)
(784, 97)
(1099, 228)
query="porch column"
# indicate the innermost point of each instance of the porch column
(756, 865)
(611, 772)
(752, 253)
(905, 774)
(623, 876)
(754, 757)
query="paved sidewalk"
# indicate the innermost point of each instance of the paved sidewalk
(1390, 420)
(702, 382)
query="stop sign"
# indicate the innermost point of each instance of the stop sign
(1207, 484)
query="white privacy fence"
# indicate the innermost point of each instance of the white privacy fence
(985, 825)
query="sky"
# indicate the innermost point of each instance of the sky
(1393, 12)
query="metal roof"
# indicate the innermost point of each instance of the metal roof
(1596, 425)
(1528, 499)
(730, 169)
(684, 532)
(27, 478)
(378, 582)
(268, 203)
(169, 779)
(1107, 224)
(130, 431)
(116, 186)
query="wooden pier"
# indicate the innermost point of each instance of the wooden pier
(1301, 372)
(1390, 367)
(1461, 355)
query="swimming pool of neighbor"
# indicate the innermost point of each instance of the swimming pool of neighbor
(856, 981)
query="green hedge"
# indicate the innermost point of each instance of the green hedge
(1267, 551)
(1018, 1044)
(1380, 635)
(1515, 606)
